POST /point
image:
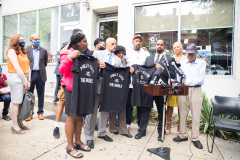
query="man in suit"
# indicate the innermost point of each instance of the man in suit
(160, 59)
(38, 59)
(90, 120)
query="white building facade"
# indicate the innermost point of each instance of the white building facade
(213, 25)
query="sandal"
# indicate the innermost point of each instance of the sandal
(75, 154)
(17, 131)
(22, 127)
(6, 117)
(86, 148)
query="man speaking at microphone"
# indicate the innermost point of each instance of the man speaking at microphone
(194, 70)
(160, 59)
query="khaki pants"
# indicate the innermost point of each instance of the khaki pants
(121, 127)
(193, 101)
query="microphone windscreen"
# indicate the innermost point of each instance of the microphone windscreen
(178, 64)
(158, 72)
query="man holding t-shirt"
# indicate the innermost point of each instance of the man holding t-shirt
(90, 120)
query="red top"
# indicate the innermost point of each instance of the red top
(65, 69)
(5, 78)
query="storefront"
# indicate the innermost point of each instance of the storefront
(211, 24)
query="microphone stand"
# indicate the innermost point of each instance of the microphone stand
(163, 152)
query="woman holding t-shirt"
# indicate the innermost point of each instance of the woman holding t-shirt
(78, 44)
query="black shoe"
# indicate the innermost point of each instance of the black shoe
(90, 143)
(159, 137)
(116, 133)
(106, 138)
(127, 135)
(198, 144)
(55, 100)
(56, 133)
(178, 139)
(140, 135)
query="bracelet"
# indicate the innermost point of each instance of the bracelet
(69, 58)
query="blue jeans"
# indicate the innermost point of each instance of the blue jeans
(57, 86)
(7, 100)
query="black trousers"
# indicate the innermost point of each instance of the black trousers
(40, 86)
(159, 101)
(129, 109)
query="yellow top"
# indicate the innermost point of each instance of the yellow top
(23, 63)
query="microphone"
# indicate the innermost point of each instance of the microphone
(177, 66)
(166, 60)
(157, 74)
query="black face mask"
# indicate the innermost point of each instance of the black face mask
(101, 47)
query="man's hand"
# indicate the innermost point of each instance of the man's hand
(159, 65)
(102, 65)
(74, 54)
(144, 48)
(131, 70)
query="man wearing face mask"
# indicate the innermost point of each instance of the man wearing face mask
(99, 44)
(38, 59)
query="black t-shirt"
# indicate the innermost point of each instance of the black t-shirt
(114, 88)
(85, 72)
(142, 76)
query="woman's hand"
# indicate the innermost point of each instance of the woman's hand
(74, 54)
(131, 70)
(27, 85)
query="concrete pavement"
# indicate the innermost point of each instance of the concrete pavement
(38, 143)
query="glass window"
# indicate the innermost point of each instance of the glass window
(155, 22)
(48, 31)
(9, 28)
(209, 24)
(70, 12)
(28, 25)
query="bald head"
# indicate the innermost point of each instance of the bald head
(34, 39)
(111, 44)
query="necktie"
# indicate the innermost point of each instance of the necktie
(110, 58)
(157, 59)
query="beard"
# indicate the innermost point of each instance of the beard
(159, 50)
(137, 47)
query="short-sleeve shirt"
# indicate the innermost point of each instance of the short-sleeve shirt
(142, 76)
(114, 88)
(85, 72)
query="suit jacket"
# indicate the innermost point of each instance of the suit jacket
(164, 75)
(102, 56)
(43, 60)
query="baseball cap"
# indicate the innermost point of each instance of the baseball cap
(138, 36)
(191, 48)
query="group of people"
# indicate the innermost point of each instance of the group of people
(109, 79)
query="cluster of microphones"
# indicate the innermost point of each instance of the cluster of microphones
(158, 81)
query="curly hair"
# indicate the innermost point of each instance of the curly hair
(77, 37)
(14, 44)
(120, 48)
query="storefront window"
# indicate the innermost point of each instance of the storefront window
(9, 28)
(28, 25)
(209, 24)
(155, 22)
(48, 31)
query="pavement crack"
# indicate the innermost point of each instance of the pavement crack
(147, 143)
(49, 150)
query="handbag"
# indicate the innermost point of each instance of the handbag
(27, 106)
(5, 90)
(61, 95)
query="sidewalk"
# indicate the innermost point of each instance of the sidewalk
(38, 143)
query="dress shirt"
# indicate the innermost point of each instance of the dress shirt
(36, 53)
(194, 72)
(136, 57)
(109, 56)
(155, 58)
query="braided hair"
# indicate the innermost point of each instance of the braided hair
(77, 37)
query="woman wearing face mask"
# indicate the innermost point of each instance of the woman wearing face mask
(18, 78)
(78, 45)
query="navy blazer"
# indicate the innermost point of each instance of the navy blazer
(164, 75)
